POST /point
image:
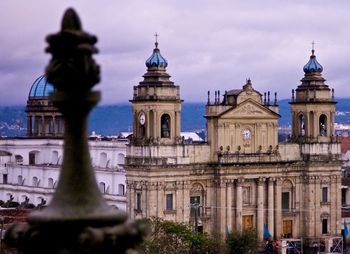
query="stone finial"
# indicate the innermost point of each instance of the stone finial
(268, 97)
(293, 98)
(72, 67)
(275, 99)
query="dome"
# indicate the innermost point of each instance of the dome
(313, 65)
(156, 59)
(40, 88)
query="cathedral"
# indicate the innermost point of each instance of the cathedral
(241, 177)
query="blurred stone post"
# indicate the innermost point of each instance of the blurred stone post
(77, 220)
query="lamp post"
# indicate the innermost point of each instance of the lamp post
(77, 220)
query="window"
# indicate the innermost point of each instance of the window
(121, 189)
(35, 182)
(31, 158)
(120, 159)
(103, 160)
(285, 201)
(102, 187)
(50, 183)
(301, 125)
(138, 201)
(169, 202)
(19, 159)
(323, 125)
(246, 195)
(54, 158)
(324, 194)
(165, 126)
(195, 204)
(20, 180)
(324, 226)
(4, 178)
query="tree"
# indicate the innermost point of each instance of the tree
(171, 237)
(243, 242)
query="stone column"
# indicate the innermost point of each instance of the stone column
(318, 193)
(54, 129)
(131, 199)
(42, 131)
(222, 207)
(270, 208)
(186, 201)
(338, 213)
(260, 207)
(179, 202)
(29, 125)
(152, 199)
(160, 206)
(144, 200)
(239, 206)
(229, 206)
(278, 208)
(333, 200)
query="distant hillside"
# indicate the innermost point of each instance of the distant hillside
(112, 119)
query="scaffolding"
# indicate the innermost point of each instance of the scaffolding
(331, 244)
(292, 246)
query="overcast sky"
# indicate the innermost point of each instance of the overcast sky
(209, 45)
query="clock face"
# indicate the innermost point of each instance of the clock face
(142, 118)
(246, 134)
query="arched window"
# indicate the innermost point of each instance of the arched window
(196, 200)
(121, 189)
(301, 125)
(102, 187)
(165, 126)
(50, 183)
(35, 181)
(19, 159)
(120, 159)
(54, 158)
(103, 160)
(20, 180)
(323, 125)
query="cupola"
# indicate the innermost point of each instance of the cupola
(156, 59)
(313, 66)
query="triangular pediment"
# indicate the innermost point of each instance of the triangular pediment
(249, 109)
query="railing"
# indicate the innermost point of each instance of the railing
(248, 158)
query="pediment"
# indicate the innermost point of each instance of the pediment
(249, 109)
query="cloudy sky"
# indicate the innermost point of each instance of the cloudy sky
(210, 45)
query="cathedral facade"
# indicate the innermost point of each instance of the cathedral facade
(241, 177)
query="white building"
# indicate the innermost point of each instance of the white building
(30, 166)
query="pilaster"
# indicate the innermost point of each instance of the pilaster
(239, 205)
(270, 208)
(260, 208)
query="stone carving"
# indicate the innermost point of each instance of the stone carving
(249, 110)
(197, 188)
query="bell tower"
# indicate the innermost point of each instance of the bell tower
(313, 106)
(156, 104)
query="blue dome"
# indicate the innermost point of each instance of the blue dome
(41, 88)
(156, 59)
(313, 65)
